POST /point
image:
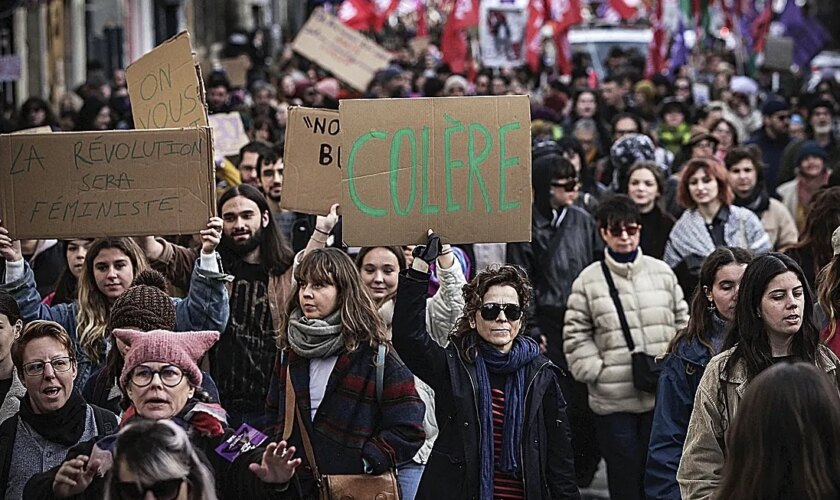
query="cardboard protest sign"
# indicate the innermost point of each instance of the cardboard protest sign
(44, 129)
(236, 69)
(228, 133)
(118, 183)
(501, 33)
(346, 53)
(165, 88)
(311, 170)
(461, 166)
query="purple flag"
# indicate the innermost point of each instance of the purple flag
(679, 52)
(809, 36)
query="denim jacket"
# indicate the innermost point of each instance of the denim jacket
(205, 308)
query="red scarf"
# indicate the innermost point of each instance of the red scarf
(192, 417)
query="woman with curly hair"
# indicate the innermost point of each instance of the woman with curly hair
(506, 433)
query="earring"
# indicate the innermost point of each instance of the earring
(758, 314)
(711, 307)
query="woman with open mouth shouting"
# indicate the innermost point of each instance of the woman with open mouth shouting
(53, 416)
(162, 380)
(772, 324)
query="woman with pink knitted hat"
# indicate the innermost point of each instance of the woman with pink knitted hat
(162, 380)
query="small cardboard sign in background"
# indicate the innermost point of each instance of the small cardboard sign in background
(311, 171)
(10, 68)
(236, 69)
(165, 88)
(460, 166)
(346, 53)
(228, 133)
(778, 53)
(44, 129)
(118, 183)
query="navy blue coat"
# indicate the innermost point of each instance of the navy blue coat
(681, 374)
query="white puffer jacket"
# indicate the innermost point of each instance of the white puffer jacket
(592, 339)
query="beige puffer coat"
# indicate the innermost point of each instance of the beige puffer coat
(592, 338)
(702, 461)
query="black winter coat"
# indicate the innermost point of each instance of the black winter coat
(552, 260)
(453, 467)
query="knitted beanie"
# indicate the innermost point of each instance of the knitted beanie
(182, 349)
(145, 306)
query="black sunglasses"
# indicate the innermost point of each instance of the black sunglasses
(162, 490)
(491, 311)
(617, 230)
(568, 185)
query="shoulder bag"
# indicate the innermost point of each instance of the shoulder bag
(645, 369)
(343, 486)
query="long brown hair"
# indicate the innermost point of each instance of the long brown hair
(94, 307)
(828, 294)
(465, 335)
(701, 318)
(360, 320)
(822, 219)
(785, 441)
(401, 265)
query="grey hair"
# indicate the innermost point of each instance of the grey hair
(159, 450)
(586, 125)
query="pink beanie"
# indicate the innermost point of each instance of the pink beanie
(182, 349)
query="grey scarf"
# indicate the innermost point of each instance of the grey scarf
(315, 338)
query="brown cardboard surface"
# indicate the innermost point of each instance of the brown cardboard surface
(165, 88)
(348, 54)
(236, 69)
(228, 133)
(460, 166)
(311, 171)
(116, 183)
(44, 129)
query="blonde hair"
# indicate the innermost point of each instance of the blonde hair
(828, 294)
(94, 307)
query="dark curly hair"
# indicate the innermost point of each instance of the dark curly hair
(465, 334)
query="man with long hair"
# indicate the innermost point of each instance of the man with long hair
(259, 258)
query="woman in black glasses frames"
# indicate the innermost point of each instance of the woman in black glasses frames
(491, 380)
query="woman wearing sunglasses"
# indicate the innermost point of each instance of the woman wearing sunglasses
(503, 426)
(597, 349)
(161, 379)
(157, 457)
(709, 221)
(52, 417)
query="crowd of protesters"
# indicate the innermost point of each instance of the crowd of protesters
(675, 314)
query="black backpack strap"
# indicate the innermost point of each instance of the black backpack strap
(625, 328)
(106, 422)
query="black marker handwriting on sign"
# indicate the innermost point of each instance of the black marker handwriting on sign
(165, 107)
(322, 125)
(93, 152)
(24, 161)
(69, 210)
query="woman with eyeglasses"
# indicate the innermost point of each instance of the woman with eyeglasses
(161, 380)
(157, 457)
(710, 220)
(595, 344)
(53, 417)
(502, 416)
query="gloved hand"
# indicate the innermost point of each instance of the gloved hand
(430, 251)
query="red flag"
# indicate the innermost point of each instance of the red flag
(422, 27)
(564, 13)
(356, 14)
(533, 39)
(381, 10)
(563, 51)
(658, 50)
(453, 44)
(625, 11)
(464, 14)
(760, 27)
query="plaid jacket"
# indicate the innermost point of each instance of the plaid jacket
(349, 425)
